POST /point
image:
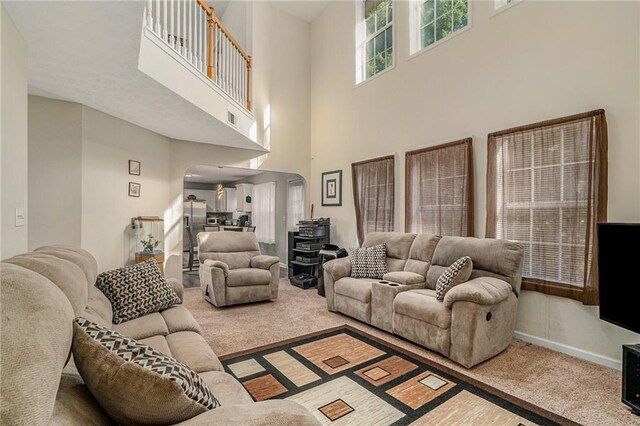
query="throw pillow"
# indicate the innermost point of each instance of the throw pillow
(134, 383)
(458, 273)
(136, 290)
(369, 262)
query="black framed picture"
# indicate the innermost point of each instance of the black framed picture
(134, 167)
(332, 188)
(134, 189)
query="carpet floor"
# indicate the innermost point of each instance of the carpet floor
(579, 390)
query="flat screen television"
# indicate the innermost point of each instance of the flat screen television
(618, 260)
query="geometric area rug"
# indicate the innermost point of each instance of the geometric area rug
(347, 377)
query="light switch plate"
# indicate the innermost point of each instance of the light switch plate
(19, 217)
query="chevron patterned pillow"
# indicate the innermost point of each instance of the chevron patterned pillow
(369, 262)
(134, 383)
(458, 273)
(136, 290)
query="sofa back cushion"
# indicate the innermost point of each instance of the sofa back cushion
(491, 258)
(37, 331)
(398, 247)
(233, 248)
(64, 274)
(80, 257)
(421, 254)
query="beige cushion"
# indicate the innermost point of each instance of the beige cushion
(355, 288)
(143, 327)
(233, 248)
(81, 258)
(178, 318)
(36, 338)
(398, 243)
(456, 274)
(64, 274)
(422, 305)
(191, 349)
(157, 343)
(134, 383)
(99, 303)
(403, 277)
(248, 276)
(229, 391)
(481, 291)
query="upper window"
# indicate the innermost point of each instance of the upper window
(376, 38)
(438, 19)
(439, 189)
(547, 188)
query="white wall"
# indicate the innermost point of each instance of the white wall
(535, 61)
(237, 19)
(108, 144)
(55, 172)
(13, 137)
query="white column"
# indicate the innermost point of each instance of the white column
(158, 30)
(172, 19)
(178, 32)
(164, 20)
(184, 27)
(150, 14)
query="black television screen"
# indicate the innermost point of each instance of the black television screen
(618, 257)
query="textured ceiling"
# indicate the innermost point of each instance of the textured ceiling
(87, 52)
(215, 174)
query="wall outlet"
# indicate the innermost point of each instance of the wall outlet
(19, 217)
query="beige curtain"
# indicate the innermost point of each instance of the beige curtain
(373, 195)
(547, 188)
(439, 189)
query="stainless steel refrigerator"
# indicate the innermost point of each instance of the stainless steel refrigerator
(195, 218)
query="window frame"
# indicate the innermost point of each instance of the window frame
(596, 204)
(362, 39)
(468, 143)
(415, 18)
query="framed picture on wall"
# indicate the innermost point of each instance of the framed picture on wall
(332, 188)
(134, 189)
(134, 167)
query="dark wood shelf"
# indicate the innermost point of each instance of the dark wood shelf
(295, 262)
(305, 251)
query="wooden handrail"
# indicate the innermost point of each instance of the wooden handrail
(210, 10)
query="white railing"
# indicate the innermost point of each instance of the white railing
(191, 28)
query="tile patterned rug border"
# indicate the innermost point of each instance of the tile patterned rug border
(522, 404)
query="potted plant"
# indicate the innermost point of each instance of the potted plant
(149, 246)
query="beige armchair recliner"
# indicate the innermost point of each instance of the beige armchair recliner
(232, 270)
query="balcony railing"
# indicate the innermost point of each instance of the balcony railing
(191, 28)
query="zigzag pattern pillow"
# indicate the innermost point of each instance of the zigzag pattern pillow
(369, 262)
(133, 382)
(136, 290)
(458, 273)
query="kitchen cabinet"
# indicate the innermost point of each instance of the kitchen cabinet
(244, 192)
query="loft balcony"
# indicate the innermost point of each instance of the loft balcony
(170, 66)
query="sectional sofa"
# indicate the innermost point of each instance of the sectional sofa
(42, 292)
(473, 323)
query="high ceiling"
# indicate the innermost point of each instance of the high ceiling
(218, 174)
(306, 10)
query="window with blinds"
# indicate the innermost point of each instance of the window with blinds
(547, 187)
(373, 195)
(439, 189)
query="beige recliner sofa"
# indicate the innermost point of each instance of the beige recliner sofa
(473, 323)
(232, 270)
(41, 294)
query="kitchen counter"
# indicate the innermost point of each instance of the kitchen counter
(233, 228)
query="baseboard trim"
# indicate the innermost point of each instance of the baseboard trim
(569, 350)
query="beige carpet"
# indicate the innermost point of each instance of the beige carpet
(576, 389)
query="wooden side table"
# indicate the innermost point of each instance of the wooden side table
(159, 257)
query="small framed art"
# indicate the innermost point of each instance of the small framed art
(134, 189)
(134, 167)
(332, 188)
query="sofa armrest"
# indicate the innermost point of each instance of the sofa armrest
(218, 264)
(338, 268)
(257, 414)
(177, 287)
(262, 261)
(481, 291)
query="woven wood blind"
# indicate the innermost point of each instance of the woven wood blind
(373, 195)
(547, 188)
(439, 189)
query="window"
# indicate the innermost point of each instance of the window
(376, 38)
(373, 195)
(438, 19)
(263, 214)
(547, 188)
(295, 203)
(439, 189)
(498, 4)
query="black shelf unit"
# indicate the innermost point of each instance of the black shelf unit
(316, 233)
